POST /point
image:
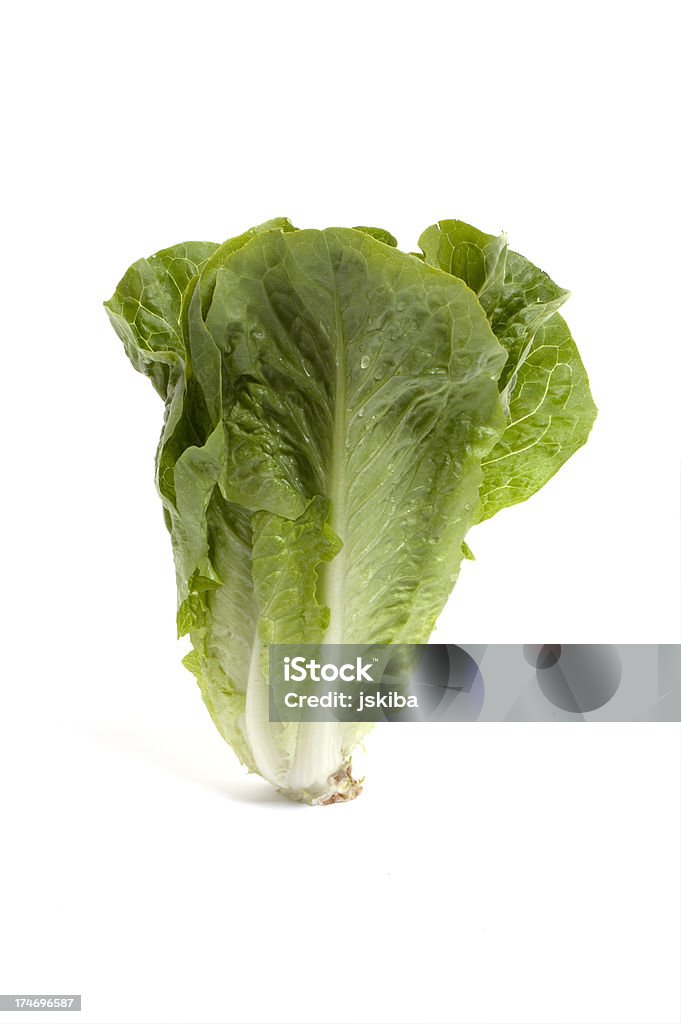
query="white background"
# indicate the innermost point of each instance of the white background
(489, 874)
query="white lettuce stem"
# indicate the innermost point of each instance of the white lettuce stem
(312, 768)
(318, 757)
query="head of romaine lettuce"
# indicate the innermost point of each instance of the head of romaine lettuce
(338, 414)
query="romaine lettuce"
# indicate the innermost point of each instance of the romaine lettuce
(338, 414)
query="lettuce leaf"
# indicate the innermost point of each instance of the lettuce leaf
(544, 386)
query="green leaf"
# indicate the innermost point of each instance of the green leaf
(195, 476)
(224, 626)
(380, 234)
(467, 553)
(145, 309)
(358, 374)
(150, 311)
(550, 415)
(544, 387)
(287, 555)
(224, 251)
(469, 254)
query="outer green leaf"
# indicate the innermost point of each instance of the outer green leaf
(196, 474)
(375, 380)
(149, 311)
(224, 251)
(225, 623)
(145, 309)
(469, 254)
(287, 554)
(380, 234)
(550, 415)
(544, 387)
